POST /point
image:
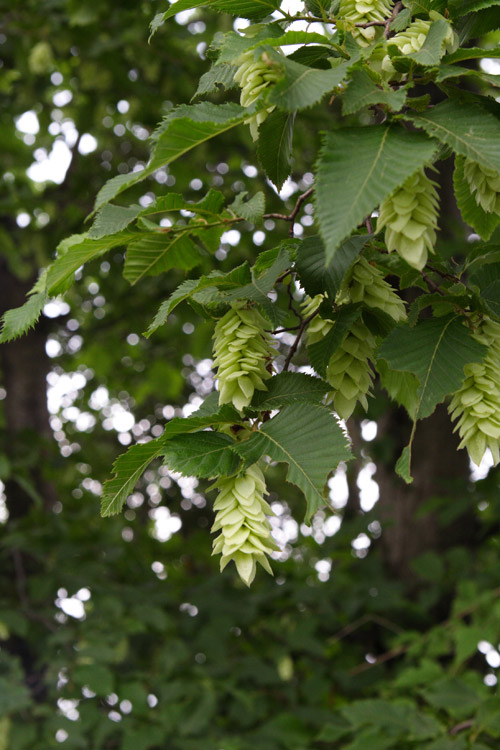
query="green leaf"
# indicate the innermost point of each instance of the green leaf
(219, 77)
(160, 252)
(274, 146)
(184, 128)
(301, 86)
(402, 387)
(483, 223)
(112, 219)
(466, 128)
(430, 52)
(128, 469)
(182, 292)
(316, 275)
(258, 289)
(321, 352)
(460, 8)
(362, 91)
(238, 277)
(398, 719)
(289, 388)
(81, 251)
(452, 695)
(357, 169)
(401, 21)
(252, 9)
(309, 439)
(251, 210)
(17, 322)
(201, 454)
(436, 351)
(470, 53)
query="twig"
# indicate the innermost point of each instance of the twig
(295, 344)
(432, 284)
(353, 626)
(463, 725)
(399, 650)
(395, 12)
(369, 225)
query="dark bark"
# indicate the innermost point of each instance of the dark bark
(24, 365)
(438, 470)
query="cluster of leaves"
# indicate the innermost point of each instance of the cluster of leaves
(421, 361)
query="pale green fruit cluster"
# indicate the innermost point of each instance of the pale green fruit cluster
(412, 39)
(484, 184)
(241, 518)
(477, 404)
(254, 76)
(318, 327)
(365, 283)
(349, 370)
(410, 216)
(364, 11)
(242, 350)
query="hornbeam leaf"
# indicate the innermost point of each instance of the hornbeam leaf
(274, 147)
(17, 322)
(431, 50)
(81, 250)
(470, 53)
(362, 91)
(182, 292)
(289, 388)
(483, 223)
(217, 78)
(128, 469)
(251, 210)
(238, 277)
(201, 454)
(436, 351)
(316, 276)
(253, 9)
(467, 128)
(308, 438)
(184, 128)
(112, 219)
(321, 352)
(301, 86)
(159, 252)
(258, 289)
(357, 169)
(402, 387)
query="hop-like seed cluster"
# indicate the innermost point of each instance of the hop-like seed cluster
(318, 327)
(241, 518)
(365, 283)
(484, 184)
(410, 217)
(364, 11)
(477, 404)
(254, 76)
(242, 350)
(412, 39)
(349, 370)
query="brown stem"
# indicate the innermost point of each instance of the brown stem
(295, 344)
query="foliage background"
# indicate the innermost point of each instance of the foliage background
(381, 627)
